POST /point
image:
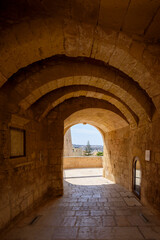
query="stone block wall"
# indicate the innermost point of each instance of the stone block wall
(27, 180)
(82, 162)
(122, 146)
(55, 156)
(116, 164)
(68, 143)
(23, 180)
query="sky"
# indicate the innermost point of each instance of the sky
(82, 133)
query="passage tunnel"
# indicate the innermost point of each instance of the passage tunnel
(69, 62)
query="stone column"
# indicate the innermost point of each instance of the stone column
(55, 154)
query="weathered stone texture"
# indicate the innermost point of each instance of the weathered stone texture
(82, 162)
(55, 156)
(125, 144)
(68, 62)
(67, 144)
(24, 180)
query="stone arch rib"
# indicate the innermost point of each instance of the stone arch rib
(36, 85)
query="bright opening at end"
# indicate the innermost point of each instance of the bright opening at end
(83, 154)
(84, 139)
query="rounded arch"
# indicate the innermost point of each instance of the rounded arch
(51, 100)
(72, 105)
(137, 176)
(74, 157)
(29, 45)
(102, 119)
(27, 89)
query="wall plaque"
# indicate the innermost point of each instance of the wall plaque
(147, 155)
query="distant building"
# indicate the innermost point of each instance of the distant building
(77, 151)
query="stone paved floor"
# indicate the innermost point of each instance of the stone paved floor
(91, 208)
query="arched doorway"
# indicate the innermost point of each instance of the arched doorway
(83, 146)
(104, 120)
(137, 177)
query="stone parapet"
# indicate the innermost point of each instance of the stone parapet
(82, 162)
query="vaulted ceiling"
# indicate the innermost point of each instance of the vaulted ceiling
(99, 54)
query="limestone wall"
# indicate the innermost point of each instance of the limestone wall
(26, 181)
(55, 65)
(23, 180)
(68, 143)
(121, 148)
(82, 162)
(55, 157)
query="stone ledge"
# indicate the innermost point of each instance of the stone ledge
(23, 164)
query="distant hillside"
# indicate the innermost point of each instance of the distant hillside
(93, 147)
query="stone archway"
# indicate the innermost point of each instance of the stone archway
(74, 152)
(137, 176)
(62, 57)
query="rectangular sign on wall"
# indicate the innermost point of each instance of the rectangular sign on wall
(17, 142)
(147, 155)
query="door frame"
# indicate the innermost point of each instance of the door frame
(135, 159)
